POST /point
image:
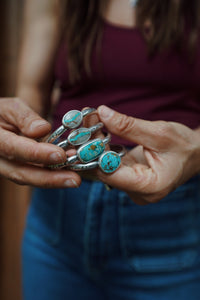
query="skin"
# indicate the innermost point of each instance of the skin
(22, 123)
(168, 153)
(22, 158)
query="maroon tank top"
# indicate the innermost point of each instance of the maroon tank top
(165, 87)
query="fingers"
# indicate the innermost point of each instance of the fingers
(18, 114)
(36, 176)
(138, 200)
(135, 155)
(138, 178)
(21, 148)
(90, 119)
(152, 135)
(149, 182)
(17, 152)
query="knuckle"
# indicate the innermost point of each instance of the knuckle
(7, 149)
(146, 180)
(10, 101)
(34, 153)
(15, 100)
(164, 129)
(46, 182)
(15, 104)
(125, 124)
(24, 119)
(17, 177)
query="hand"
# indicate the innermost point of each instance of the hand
(22, 158)
(168, 155)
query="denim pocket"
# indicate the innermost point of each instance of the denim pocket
(165, 236)
(45, 215)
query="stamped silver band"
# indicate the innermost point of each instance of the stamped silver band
(72, 119)
(90, 151)
(107, 167)
(79, 136)
(86, 153)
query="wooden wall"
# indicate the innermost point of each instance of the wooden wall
(13, 199)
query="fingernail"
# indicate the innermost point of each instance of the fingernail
(38, 123)
(56, 157)
(71, 183)
(105, 112)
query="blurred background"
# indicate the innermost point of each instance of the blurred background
(13, 199)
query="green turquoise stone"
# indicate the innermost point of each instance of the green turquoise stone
(91, 151)
(79, 136)
(72, 119)
(109, 162)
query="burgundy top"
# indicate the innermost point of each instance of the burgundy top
(166, 87)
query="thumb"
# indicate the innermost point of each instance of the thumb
(138, 131)
(16, 112)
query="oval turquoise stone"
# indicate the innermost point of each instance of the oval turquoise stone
(109, 162)
(72, 119)
(91, 150)
(79, 136)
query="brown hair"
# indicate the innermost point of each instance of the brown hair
(168, 20)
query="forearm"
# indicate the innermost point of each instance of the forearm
(37, 98)
(41, 35)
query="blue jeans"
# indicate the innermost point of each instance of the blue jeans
(93, 244)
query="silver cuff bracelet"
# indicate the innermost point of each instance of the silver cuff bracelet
(72, 119)
(86, 153)
(108, 162)
(79, 136)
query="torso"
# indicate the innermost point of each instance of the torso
(126, 79)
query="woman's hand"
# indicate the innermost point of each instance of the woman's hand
(167, 155)
(21, 157)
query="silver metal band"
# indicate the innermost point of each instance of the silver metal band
(86, 153)
(79, 136)
(87, 111)
(72, 119)
(107, 167)
(90, 151)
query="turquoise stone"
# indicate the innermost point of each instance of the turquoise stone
(72, 119)
(79, 136)
(91, 151)
(109, 162)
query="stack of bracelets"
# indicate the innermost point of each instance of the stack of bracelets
(91, 153)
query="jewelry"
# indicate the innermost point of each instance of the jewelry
(86, 153)
(72, 119)
(79, 136)
(108, 162)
